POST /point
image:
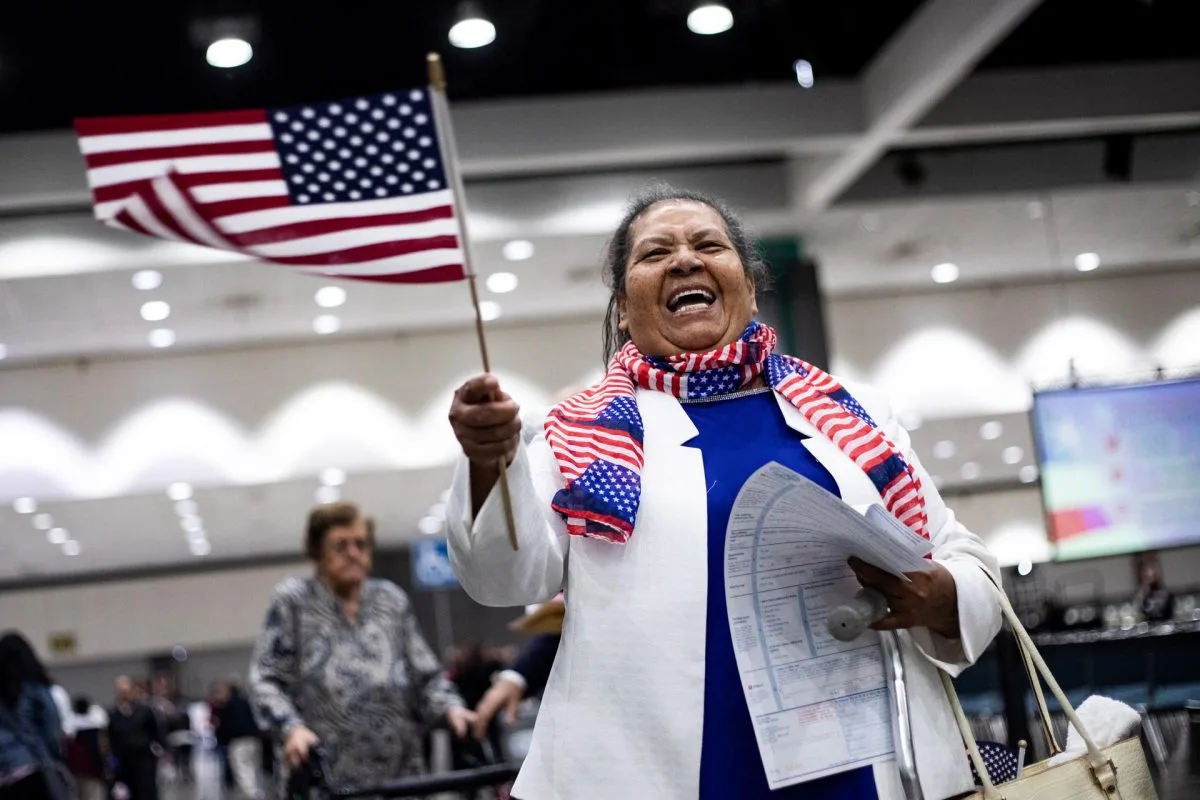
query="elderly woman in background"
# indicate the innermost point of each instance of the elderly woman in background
(625, 502)
(341, 662)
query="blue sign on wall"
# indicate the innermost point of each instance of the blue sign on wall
(431, 567)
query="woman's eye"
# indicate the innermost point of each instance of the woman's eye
(657, 252)
(712, 246)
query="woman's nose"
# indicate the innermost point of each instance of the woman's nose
(685, 262)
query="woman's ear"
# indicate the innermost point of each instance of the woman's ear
(622, 316)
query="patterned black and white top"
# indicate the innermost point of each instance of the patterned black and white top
(369, 689)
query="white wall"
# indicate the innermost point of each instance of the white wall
(139, 617)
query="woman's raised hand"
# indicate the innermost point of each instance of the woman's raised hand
(486, 421)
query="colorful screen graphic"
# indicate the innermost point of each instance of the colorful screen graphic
(1120, 467)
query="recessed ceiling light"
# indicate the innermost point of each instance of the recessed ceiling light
(518, 250)
(326, 324)
(472, 29)
(1024, 567)
(229, 53)
(944, 449)
(1086, 262)
(24, 505)
(1012, 455)
(709, 19)
(501, 282)
(944, 273)
(197, 535)
(186, 508)
(489, 310)
(179, 491)
(200, 547)
(146, 280)
(330, 296)
(804, 73)
(156, 310)
(1028, 473)
(162, 337)
(56, 536)
(332, 476)
(430, 526)
(991, 430)
(3, 352)
(970, 470)
(328, 494)
(70, 548)
(43, 522)
(191, 524)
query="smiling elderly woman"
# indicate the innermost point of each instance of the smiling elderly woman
(645, 700)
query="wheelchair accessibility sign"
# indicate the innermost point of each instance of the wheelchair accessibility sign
(431, 568)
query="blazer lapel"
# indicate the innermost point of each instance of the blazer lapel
(853, 484)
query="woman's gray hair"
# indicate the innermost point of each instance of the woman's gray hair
(616, 259)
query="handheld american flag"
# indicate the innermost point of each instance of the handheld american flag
(356, 188)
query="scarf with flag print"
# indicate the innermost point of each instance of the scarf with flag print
(596, 436)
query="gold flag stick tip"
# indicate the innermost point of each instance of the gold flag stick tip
(437, 75)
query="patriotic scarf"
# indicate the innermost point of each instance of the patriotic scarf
(596, 436)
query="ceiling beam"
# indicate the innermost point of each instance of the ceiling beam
(931, 54)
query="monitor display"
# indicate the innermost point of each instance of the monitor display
(1120, 467)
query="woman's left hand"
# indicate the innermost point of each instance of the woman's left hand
(925, 600)
(460, 720)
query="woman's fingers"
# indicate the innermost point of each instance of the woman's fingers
(486, 421)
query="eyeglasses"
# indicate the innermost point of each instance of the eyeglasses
(343, 546)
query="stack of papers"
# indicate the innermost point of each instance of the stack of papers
(819, 706)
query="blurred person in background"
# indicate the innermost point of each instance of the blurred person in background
(136, 740)
(1152, 599)
(235, 722)
(87, 748)
(530, 669)
(341, 662)
(644, 698)
(31, 754)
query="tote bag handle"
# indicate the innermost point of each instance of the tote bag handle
(1102, 768)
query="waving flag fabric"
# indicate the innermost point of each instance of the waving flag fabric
(354, 189)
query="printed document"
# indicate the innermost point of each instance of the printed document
(819, 706)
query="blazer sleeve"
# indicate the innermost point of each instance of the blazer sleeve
(954, 547)
(535, 661)
(489, 569)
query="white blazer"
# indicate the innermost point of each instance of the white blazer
(622, 713)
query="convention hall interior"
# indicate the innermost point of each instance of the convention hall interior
(989, 210)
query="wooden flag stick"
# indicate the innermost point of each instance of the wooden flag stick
(441, 111)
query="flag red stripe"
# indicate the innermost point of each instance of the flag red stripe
(126, 219)
(102, 126)
(119, 191)
(94, 160)
(371, 252)
(241, 205)
(449, 272)
(317, 227)
(163, 215)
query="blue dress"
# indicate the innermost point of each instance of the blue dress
(736, 437)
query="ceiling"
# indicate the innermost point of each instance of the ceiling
(102, 64)
(1029, 141)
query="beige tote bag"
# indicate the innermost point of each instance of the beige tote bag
(1119, 772)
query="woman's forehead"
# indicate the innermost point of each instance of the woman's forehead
(674, 214)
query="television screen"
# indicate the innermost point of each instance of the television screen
(1120, 467)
